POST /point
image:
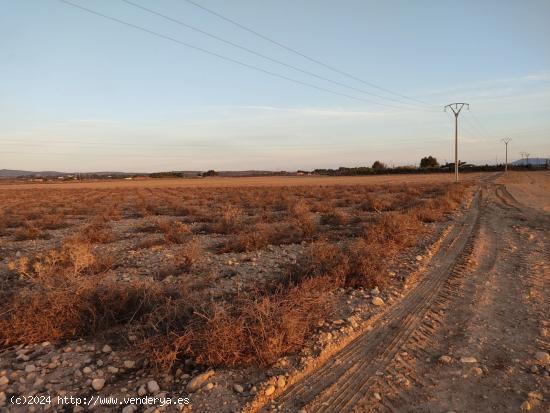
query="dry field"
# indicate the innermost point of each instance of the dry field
(208, 276)
(252, 181)
(133, 288)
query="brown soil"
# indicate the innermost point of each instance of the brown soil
(531, 188)
(482, 303)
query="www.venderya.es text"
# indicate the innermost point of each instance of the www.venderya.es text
(98, 401)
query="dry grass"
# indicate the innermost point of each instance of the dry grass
(334, 217)
(153, 242)
(180, 261)
(258, 237)
(73, 290)
(230, 220)
(54, 220)
(301, 217)
(73, 307)
(28, 231)
(96, 231)
(255, 328)
(175, 232)
(321, 259)
(61, 297)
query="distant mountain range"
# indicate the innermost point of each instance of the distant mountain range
(532, 161)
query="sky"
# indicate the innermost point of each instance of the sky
(81, 92)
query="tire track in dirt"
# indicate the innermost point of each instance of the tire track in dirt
(424, 343)
(497, 312)
(344, 380)
(506, 198)
(403, 372)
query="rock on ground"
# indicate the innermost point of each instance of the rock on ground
(98, 384)
(377, 301)
(199, 381)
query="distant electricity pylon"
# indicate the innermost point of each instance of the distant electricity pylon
(456, 108)
(527, 158)
(506, 142)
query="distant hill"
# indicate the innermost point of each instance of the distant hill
(532, 161)
(250, 173)
(15, 173)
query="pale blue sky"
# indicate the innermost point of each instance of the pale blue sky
(80, 92)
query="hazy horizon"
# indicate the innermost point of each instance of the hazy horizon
(89, 94)
(510, 161)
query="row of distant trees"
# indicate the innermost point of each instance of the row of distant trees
(427, 163)
(377, 167)
(175, 174)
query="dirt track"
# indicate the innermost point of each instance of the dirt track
(483, 305)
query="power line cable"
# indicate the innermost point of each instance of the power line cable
(223, 57)
(469, 132)
(475, 129)
(311, 59)
(236, 45)
(481, 125)
(479, 128)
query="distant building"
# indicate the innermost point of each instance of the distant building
(451, 165)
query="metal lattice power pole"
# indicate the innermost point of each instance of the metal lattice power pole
(456, 108)
(506, 142)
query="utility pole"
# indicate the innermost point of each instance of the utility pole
(527, 159)
(506, 142)
(456, 108)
